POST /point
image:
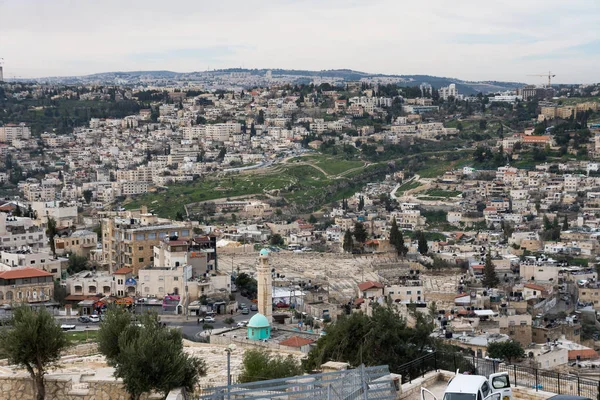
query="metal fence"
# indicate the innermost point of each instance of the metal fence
(533, 378)
(357, 384)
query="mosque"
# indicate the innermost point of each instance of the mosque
(259, 326)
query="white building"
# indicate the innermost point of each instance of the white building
(448, 91)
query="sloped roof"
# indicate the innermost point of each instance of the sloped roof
(296, 341)
(123, 271)
(369, 285)
(24, 273)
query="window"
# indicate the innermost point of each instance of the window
(175, 278)
(161, 289)
(161, 278)
(146, 289)
(485, 388)
(140, 236)
(409, 292)
(152, 236)
(141, 248)
(141, 259)
(42, 261)
(32, 262)
(185, 233)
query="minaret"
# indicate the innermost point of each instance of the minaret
(265, 286)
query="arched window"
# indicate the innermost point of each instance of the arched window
(9, 295)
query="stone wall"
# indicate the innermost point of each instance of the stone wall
(62, 387)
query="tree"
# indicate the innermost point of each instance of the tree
(115, 321)
(360, 233)
(422, 245)
(565, 226)
(348, 242)
(397, 239)
(51, 232)
(87, 195)
(222, 153)
(146, 367)
(77, 264)
(509, 350)
(312, 219)
(490, 279)
(35, 341)
(261, 117)
(60, 293)
(229, 321)
(252, 130)
(482, 124)
(276, 240)
(259, 365)
(18, 212)
(379, 339)
(361, 203)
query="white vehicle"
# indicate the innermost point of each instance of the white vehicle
(476, 387)
(209, 319)
(242, 324)
(67, 327)
(94, 318)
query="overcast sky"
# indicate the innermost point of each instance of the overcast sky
(466, 39)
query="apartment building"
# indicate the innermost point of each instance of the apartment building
(129, 241)
(13, 132)
(29, 285)
(20, 232)
(19, 258)
(65, 214)
(81, 243)
(39, 192)
(450, 90)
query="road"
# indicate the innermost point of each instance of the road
(189, 326)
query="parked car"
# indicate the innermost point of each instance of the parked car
(281, 304)
(209, 319)
(241, 324)
(67, 327)
(83, 319)
(253, 307)
(245, 311)
(94, 318)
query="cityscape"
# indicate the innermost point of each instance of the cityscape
(222, 224)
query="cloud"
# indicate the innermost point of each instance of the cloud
(469, 39)
(588, 49)
(493, 38)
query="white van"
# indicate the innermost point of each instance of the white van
(476, 387)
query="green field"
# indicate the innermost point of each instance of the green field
(406, 187)
(304, 186)
(331, 165)
(442, 193)
(577, 100)
(82, 337)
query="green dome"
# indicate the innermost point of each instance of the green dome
(258, 321)
(264, 252)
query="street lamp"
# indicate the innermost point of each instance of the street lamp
(229, 350)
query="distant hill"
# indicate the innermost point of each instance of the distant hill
(344, 75)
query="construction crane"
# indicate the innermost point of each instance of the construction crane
(549, 75)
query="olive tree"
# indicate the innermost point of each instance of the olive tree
(35, 341)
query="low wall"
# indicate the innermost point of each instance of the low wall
(63, 388)
(412, 390)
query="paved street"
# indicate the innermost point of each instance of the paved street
(189, 325)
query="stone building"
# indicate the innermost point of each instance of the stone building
(29, 285)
